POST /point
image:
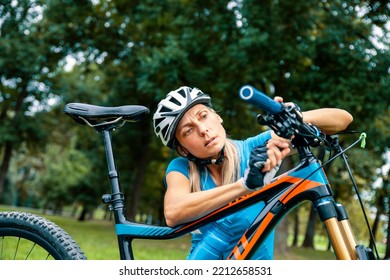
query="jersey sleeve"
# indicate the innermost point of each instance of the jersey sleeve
(258, 140)
(245, 147)
(179, 164)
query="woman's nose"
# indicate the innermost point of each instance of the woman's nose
(203, 129)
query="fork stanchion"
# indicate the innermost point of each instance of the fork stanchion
(337, 239)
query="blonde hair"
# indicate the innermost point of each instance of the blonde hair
(230, 168)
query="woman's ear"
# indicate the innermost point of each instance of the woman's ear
(181, 151)
(219, 118)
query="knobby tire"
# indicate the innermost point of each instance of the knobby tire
(25, 236)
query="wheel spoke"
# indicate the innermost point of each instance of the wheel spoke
(17, 248)
(32, 248)
(2, 248)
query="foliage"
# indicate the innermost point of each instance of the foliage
(315, 53)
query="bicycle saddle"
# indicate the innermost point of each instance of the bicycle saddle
(99, 115)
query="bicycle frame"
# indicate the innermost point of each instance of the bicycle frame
(306, 182)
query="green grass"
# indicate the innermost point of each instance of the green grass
(98, 241)
(299, 253)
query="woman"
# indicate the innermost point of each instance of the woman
(213, 170)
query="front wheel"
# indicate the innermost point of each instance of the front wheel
(25, 236)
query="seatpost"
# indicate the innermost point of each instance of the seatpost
(116, 198)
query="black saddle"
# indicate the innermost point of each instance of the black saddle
(96, 116)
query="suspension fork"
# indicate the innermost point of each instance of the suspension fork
(337, 225)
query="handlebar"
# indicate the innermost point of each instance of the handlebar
(285, 121)
(260, 100)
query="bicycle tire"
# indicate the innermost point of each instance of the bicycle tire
(25, 236)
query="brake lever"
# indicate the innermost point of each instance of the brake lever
(312, 135)
(289, 124)
(286, 123)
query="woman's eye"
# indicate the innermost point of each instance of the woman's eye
(188, 131)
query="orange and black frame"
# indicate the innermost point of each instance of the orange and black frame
(305, 182)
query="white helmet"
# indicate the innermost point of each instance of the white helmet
(171, 109)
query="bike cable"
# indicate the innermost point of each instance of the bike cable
(362, 139)
(341, 152)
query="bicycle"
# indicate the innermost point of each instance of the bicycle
(305, 182)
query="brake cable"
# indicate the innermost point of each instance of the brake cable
(341, 152)
(278, 123)
(362, 139)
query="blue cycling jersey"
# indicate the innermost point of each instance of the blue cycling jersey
(216, 240)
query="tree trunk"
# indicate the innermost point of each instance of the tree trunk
(296, 228)
(387, 252)
(310, 230)
(375, 227)
(142, 159)
(83, 214)
(5, 166)
(281, 234)
(8, 147)
(134, 196)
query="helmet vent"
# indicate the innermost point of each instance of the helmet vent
(165, 109)
(164, 131)
(175, 101)
(182, 92)
(157, 122)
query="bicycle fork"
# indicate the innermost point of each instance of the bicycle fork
(337, 225)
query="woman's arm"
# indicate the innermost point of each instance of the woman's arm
(329, 120)
(181, 205)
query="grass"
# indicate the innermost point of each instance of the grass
(299, 253)
(98, 241)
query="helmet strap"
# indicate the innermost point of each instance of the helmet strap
(204, 162)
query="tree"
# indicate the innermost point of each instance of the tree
(25, 64)
(316, 53)
(194, 43)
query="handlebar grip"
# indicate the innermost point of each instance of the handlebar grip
(259, 99)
